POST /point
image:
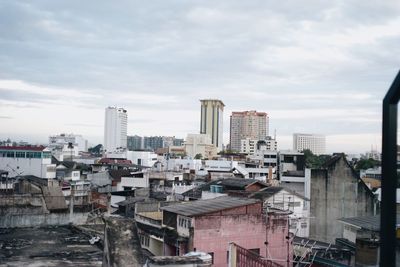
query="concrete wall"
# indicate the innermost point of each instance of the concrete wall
(35, 220)
(121, 243)
(132, 182)
(28, 166)
(244, 226)
(100, 178)
(336, 193)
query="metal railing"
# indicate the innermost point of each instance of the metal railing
(241, 257)
(389, 176)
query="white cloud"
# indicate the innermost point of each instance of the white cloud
(18, 85)
(318, 66)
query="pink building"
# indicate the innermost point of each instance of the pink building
(210, 225)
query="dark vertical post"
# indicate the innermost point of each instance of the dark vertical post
(389, 176)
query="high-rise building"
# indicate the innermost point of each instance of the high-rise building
(153, 142)
(115, 129)
(248, 124)
(135, 142)
(316, 143)
(211, 121)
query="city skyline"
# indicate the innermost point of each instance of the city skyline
(323, 70)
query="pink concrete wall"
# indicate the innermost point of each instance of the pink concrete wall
(213, 234)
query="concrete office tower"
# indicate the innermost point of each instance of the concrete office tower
(115, 129)
(211, 121)
(314, 142)
(248, 124)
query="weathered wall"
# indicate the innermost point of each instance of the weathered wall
(213, 234)
(121, 243)
(34, 220)
(336, 193)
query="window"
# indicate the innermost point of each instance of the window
(36, 155)
(20, 154)
(255, 250)
(10, 154)
(145, 240)
(3, 154)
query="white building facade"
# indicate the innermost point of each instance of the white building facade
(248, 124)
(63, 139)
(26, 160)
(314, 142)
(288, 200)
(211, 121)
(142, 158)
(250, 146)
(115, 128)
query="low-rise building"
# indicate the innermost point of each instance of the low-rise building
(336, 191)
(362, 234)
(142, 158)
(292, 170)
(210, 225)
(287, 200)
(27, 160)
(200, 144)
(250, 146)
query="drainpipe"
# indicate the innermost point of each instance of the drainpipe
(71, 204)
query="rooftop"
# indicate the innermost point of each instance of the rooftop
(201, 207)
(28, 148)
(268, 192)
(227, 183)
(371, 223)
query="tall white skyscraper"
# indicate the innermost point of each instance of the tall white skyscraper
(248, 124)
(115, 129)
(211, 121)
(314, 142)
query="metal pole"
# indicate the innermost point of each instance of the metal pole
(389, 176)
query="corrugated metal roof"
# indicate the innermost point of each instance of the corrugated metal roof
(371, 223)
(200, 207)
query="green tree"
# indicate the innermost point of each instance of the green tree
(314, 161)
(96, 150)
(364, 164)
(198, 156)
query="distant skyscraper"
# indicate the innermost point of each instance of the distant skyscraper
(153, 142)
(135, 142)
(248, 124)
(314, 142)
(115, 129)
(211, 121)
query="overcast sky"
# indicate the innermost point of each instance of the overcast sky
(314, 66)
